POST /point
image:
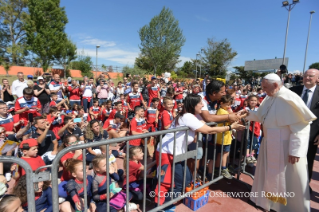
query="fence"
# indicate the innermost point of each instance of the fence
(39, 176)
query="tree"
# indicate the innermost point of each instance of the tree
(110, 69)
(66, 55)
(187, 70)
(13, 16)
(217, 56)
(45, 29)
(144, 63)
(84, 64)
(161, 41)
(136, 72)
(247, 75)
(314, 65)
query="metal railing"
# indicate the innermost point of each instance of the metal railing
(39, 176)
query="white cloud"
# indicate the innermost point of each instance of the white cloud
(296, 72)
(121, 56)
(183, 60)
(94, 42)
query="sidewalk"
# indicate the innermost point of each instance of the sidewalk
(243, 204)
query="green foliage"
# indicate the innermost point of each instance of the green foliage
(84, 64)
(136, 72)
(218, 55)
(314, 65)
(66, 55)
(186, 71)
(174, 75)
(6, 67)
(144, 63)
(161, 42)
(247, 75)
(45, 29)
(13, 17)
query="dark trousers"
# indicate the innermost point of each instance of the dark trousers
(312, 150)
(87, 104)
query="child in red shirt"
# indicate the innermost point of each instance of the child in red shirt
(138, 126)
(69, 140)
(135, 98)
(54, 99)
(166, 117)
(27, 104)
(56, 120)
(135, 171)
(29, 150)
(107, 109)
(151, 115)
(113, 126)
(95, 110)
(153, 90)
(117, 109)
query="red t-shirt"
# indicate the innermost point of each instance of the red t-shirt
(35, 163)
(74, 93)
(66, 175)
(180, 89)
(166, 118)
(32, 104)
(153, 91)
(161, 108)
(56, 124)
(52, 104)
(134, 172)
(106, 112)
(9, 121)
(110, 122)
(150, 115)
(134, 99)
(114, 111)
(137, 126)
(95, 110)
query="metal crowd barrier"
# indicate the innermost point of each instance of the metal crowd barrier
(39, 176)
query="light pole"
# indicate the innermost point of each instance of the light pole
(196, 67)
(289, 7)
(304, 65)
(97, 46)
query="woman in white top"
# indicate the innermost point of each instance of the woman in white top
(119, 90)
(192, 106)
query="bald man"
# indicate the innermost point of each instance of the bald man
(56, 87)
(309, 92)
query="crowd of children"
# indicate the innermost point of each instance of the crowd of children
(72, 121)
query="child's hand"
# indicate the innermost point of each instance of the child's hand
(112, 169)
(13, 167)
(78, 205)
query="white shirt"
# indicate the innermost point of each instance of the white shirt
(87, 91)
(18, 86)
(310, 94)
(188, 120)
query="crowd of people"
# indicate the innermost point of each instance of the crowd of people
(47, 114)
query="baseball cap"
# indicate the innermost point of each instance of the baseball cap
(28, 143)
(118, 115)
(40, 78)
(30, 76)
(153, 77)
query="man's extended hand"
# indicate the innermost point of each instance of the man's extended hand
(293, 159)
(233, 117)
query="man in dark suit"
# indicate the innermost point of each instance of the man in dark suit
(309, 92)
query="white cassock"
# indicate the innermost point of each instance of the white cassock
(286, 124)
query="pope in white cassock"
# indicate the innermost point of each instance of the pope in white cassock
(281, 177)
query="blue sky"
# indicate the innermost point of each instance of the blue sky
(255, 28)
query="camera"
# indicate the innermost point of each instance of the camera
(283, 69)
